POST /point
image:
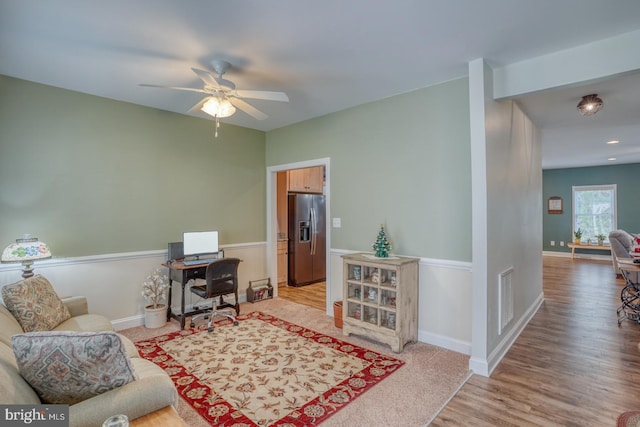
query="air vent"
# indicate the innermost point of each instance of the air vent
(506, 299)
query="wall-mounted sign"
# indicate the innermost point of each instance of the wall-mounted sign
(554, 205)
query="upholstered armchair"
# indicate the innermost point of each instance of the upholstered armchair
(101, 370)
(621, 243)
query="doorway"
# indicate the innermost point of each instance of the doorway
(313, 295)
(282, 181)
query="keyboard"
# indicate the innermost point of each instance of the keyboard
(197, 262)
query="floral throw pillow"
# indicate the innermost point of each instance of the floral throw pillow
(69, 367)
(35, 304)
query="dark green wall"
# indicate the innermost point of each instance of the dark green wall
(558, 182)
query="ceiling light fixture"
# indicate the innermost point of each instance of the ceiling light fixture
(590, 105)
(613, 142)
(218, 108)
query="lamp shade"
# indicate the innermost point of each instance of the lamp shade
(218, 107)
(26, 249)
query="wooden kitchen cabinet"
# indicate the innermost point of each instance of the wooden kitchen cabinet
(282, 206)
(306, 180)
(282, 262)
(381, 298)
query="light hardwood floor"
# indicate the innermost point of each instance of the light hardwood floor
(313, 295)
(571, 366)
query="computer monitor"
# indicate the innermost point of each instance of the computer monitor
(197, 243)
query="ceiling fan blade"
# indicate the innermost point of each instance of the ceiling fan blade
(206, 77)
(263, 94)
(189, 89)
(249, 109)
(199, 105)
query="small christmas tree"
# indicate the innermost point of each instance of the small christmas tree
(382, 245)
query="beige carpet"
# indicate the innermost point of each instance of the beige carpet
(412, 396)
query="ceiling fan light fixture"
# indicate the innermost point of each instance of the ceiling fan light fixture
(218, 107)
(590, 105)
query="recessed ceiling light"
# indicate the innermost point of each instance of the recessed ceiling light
(613, 142)
(611, 159)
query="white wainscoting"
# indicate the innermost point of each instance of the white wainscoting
(444, 300)
(113, 283)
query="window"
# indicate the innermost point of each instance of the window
(594, 210)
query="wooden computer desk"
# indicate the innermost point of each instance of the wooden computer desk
(183, 273)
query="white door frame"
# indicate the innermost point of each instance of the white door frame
(272, 220)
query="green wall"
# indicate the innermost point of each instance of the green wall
(107, 177)
(403, 161)
(558, 182)
(90, 175)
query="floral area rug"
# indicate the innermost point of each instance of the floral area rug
(266, 371)
(629, 419)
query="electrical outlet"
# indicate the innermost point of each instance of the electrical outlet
(337, 223)
(561, 243)
(553, 243)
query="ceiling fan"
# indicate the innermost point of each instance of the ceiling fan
(222, 96)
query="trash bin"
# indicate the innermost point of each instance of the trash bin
(337, 314)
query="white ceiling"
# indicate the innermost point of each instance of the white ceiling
(570, 139)
(326, 55)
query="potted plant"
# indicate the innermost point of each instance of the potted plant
(601, 238)
(578, 235)
(154, 291)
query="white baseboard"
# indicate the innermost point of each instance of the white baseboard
(138, 320)
(486, 366)
(458, 346)
(128, 322)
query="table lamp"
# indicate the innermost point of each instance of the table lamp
(26, 250)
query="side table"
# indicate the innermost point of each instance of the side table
(575, 246)
(166, 416)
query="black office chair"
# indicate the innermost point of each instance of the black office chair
(221, 278)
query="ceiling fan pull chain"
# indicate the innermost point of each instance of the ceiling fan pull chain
(217, 126)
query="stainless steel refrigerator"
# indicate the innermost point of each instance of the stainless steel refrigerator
(307, 247)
